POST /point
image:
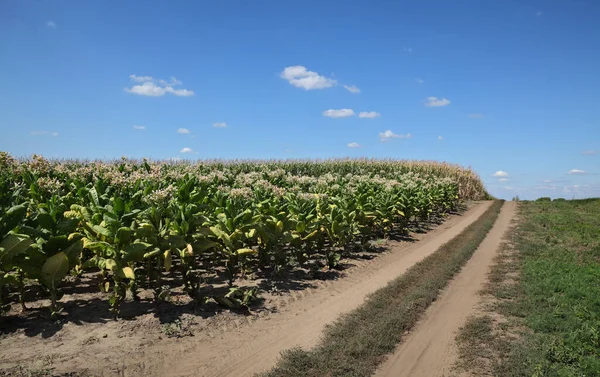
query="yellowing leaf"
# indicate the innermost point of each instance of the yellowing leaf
(246, 251)
(110, 264)
(128, 273)
(168, 260)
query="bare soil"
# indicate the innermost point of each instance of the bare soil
(181, 340)
(430, 349)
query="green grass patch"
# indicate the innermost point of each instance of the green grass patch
(358, 342)
(552, 310)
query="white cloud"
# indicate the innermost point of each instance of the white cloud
(408, 49)
(135, 127)
(42, 133)
(135, 78)
(440, 138)
(174, 159)
(300, 77)
(368, 114)
(589, 153)
(353, 145)
(436, 102)
(186, 150)
(545, 188)
(419, 81)
(148, 86)
(503, 180)
(475, 116)
(539, 13)
(576, 171)
(388, 135)
(500, 173)
(51, 24)
(507, 188)
(183, 131)
(220, 125)
(341, 113)
(352, 88)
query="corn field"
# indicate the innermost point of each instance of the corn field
(136, 223)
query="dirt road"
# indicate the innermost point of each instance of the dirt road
(430, 349)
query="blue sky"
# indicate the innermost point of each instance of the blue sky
(501, 86)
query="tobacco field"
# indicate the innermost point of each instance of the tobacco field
(142, 224)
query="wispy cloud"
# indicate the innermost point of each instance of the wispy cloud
(136, 127)
(408, 49)
(500, 173)
(151, 87)
(353, 145)
(503, 180)
(352, 88)
(440, 138)
(419, 81)
(341, 113)
(368, 114)
(388, 135)
(475, 116)
(589, 153)
(186, 150)
(539, 13)
(51, 24)
(436, 102)
(300, 77)
(220, 125)
(183, 131)
(42, 133)
(577, 171)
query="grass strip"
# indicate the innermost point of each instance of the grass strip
(544, 317)
(358, 342)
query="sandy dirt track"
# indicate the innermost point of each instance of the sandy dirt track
(430, 349)
(244, 345)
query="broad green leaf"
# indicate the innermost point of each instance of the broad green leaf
(73, 251)
(123, 235)
(44, 221)
(102, 231)
(202, 245)
(119, 206)
(13, 217)
(94, 196)
(13, 245)
(135, 252)
(55, 269)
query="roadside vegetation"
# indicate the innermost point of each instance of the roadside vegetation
(542, 316)
(359, 341)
